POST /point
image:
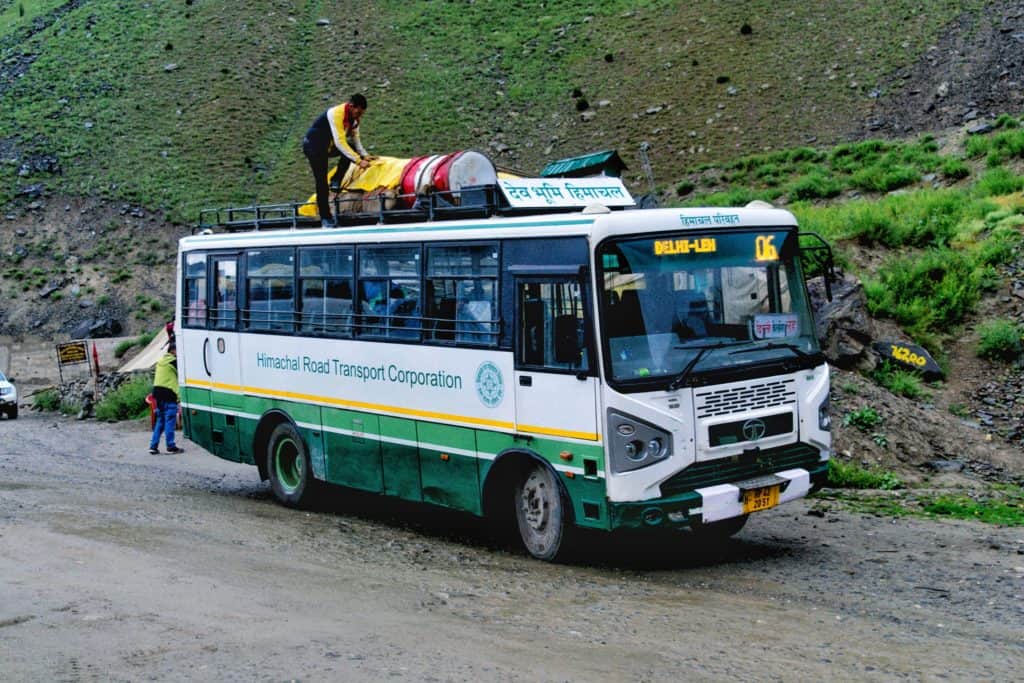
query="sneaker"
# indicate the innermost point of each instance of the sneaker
(326, 222)
(175, 449)
(154, 451)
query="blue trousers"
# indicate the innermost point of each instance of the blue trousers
(166, 418)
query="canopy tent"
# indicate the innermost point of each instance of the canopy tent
(147, 358)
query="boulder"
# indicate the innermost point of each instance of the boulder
(843, 325)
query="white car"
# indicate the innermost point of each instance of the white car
(8, 398)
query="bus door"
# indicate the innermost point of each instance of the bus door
(221, 357)
(555, 384)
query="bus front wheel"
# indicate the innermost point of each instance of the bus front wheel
(291, 475)
(542, 514)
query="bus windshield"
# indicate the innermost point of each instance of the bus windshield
(683, 304)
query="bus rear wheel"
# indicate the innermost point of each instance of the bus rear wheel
(542, 514)
(288, 464)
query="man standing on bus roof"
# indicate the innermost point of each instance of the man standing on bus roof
(335, 133)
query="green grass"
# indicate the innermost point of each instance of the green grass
(127, 402)
(1001, 504)
(863, 419)
(901, 382)
(851, 476)
(224, 125)
(47, 400)
(1000, 339)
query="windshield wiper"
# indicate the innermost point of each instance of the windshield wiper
(773, 345)
(685, 374)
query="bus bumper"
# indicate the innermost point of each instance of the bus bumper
(709, 504)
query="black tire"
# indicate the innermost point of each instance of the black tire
(12, 413)
(718, 531)
(289, 467)
(543, 514)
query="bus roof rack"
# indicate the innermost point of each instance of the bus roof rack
(372, 208)
(472, 201)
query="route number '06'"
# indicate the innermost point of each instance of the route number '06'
(907, 356)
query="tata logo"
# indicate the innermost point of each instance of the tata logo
(753, 429)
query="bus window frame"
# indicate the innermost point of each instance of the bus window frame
(498, 322)
(521, 276)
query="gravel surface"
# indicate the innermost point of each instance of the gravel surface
(118, 565)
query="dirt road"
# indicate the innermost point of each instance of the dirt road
(119, 565)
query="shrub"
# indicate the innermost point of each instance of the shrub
(48, 400)
(127, 402)
(685, 187)
(885, 177)
(848, 475)
(955, 169)
(899, 381)
(1000, 340)
(814, 186)
(863, 418)
(926, 293)
(1007, 121)
(998, 181)
(122, 347)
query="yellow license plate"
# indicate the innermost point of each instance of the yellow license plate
(760, 499)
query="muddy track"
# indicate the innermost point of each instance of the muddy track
(118, 565)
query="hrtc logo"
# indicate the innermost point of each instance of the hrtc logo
(490, 388)
(753, 429)
(764, 250)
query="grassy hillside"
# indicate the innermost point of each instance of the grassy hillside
(184, 104)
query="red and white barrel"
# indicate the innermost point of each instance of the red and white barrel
(407, 182)
(463, 169)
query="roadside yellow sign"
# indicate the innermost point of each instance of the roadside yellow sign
(70, 353)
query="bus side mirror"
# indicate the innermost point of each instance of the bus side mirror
(822, 251)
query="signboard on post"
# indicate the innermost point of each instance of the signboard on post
(71, 353)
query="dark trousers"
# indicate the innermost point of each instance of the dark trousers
(318, 161)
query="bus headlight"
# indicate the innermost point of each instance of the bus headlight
(635, 444)
(824, 416)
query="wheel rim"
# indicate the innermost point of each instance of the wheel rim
(536, 503)
(288, 464)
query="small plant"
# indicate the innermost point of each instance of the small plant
(958, 409)
(48, 400)
(1000, 340)
(122, 347)
(127, 402)
(863, 418)
(955, 169)
(901, 382)
(851, 476)
(849, 387)
(880, 439)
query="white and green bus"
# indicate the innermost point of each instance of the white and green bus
(599, 369)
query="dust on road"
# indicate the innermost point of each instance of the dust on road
(119, 565)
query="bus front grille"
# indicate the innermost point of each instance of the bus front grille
(738, 468)
(715, 402)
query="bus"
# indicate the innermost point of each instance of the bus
(590, 369)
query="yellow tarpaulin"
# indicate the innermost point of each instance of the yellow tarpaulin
(384, 172)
